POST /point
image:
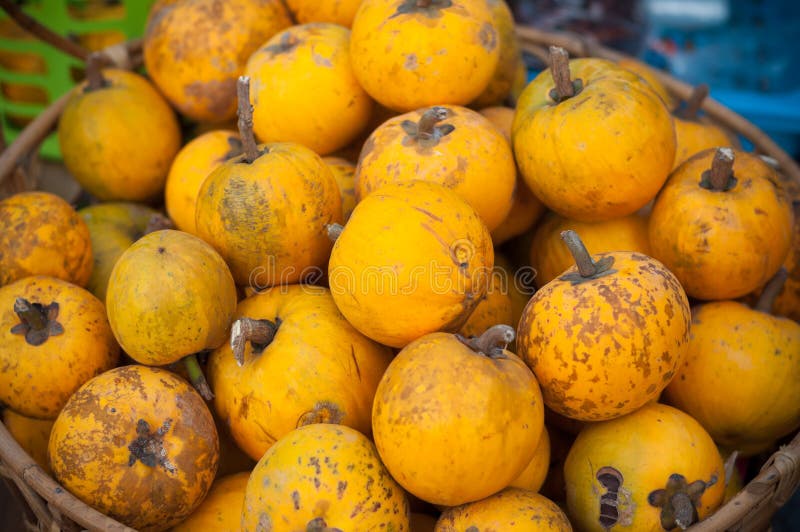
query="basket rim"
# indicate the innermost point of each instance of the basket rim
(775, 483)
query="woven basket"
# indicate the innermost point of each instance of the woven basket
(50, 507)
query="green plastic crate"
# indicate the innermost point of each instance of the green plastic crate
(65, 17)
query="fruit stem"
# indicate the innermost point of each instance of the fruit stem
(771, 290)
(721, 170)
(197, 378)
(586, 265)
(429, 119)
(334, 231)
(30, 315)
(94, 72)
(258, 332)
(559, 68)
(492, 342)
(695, 102)
(245, 123)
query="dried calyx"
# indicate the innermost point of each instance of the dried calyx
(679, 501)
(318, 524)
(693, 103)
(588, 268)
(427, 133)
(37, 322)
(429, 8)
(491, 343)
(258, 332)
(148, 446)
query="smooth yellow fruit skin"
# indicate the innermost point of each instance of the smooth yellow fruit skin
(532, 477)
(192, 165)
(605, 347)
(316, 362)
(412, 259)
(170, 295)
(268, 218)
(452, 425)
(345, 174)
(510, 509)
(41, 234)
(410, 60)
(461, 161)
(645, 447)
(499, 87)
(584, 157)
(90, 447)
(303, 89)
(323, 471)
(119, 141)
(31, 434)
(37, 380)
(194, 50)
(694, 136)
(339, 12)
(550, 257)
(754, 358)
(647, 73)
(221, 510)
(113, 227)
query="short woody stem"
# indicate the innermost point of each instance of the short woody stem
(245, 123)
(559, 68)
(197, 378)
(492, 342)
(695, 101)
(258, 332)
(30, 315)
(772, 290)
(334, 231)
(94, 71)
(721, 169)
(429, 119)
(586, 266)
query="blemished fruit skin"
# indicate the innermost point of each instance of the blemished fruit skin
(137, 444)
(170, 295)
(584, 157)
(510, 59)
(465, 149)
(755, 358)
(195, 49)
(652, 470)
(118, 141)
(52, 349)
(304, 90)
(418, 249)
(451, 440)
(41, 234)
(408, 56)
(603, 347)
(323, 475)
(722, 244)
(510, 509)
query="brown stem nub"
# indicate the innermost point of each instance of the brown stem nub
(771, 290)
(334, 231)
(423, 3)
(427, 132)
(695, 102)
(197, 378)
(492, 342)
(559, 69)
(587, 267)
(318, 524)
(720, 176)
(37, 322)
(94, 72)
(246, 119)
(258, 332)
(429, 119)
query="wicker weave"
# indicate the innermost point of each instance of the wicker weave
(50, 507)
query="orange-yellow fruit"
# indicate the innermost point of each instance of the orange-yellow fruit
(510, 509)
(194, 50)
(499, 87)
(189, 169)
(221, 510)
(31, 434)
(345, 174)
(532, 477)
(339, 12)
(409, 55)
(41, 234)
